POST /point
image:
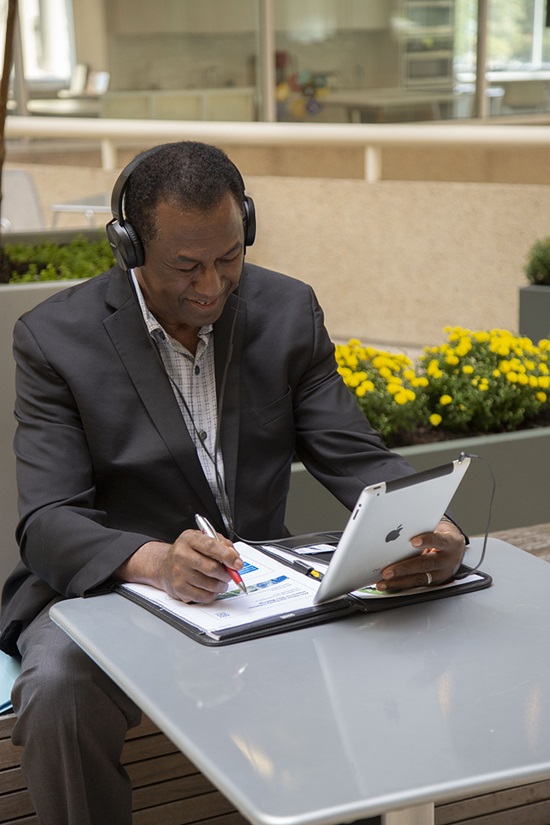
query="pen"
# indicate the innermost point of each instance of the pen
(307, 570)
(206, 528)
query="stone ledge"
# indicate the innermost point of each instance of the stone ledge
(534, 539)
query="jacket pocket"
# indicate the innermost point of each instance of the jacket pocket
(280, 408)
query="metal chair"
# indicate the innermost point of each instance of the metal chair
(20, 209)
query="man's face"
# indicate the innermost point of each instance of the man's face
(192, 266)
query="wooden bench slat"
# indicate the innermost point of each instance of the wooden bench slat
(146, 747)
(234, 818)
(10, 755)
(145, 728)
(467, 809)
(11, 780)
(196, 787)
(15, 804)
(7, 721)
(536, 814)
(27, 820)
(185, 812)
(159, 769)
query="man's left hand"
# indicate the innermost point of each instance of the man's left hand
(440, 556)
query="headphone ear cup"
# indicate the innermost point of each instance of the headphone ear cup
(126, 245)
(249, 221)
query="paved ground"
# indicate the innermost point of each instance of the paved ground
(534, 539)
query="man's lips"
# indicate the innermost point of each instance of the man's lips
(204, 303)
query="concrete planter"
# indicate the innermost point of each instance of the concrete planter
(534, 312)
(14, 301)
(519, 461)
(52, 235)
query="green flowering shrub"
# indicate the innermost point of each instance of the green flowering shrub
(49, 261)
(537, 267)
(485, 381)
(475, 382)
(385, 385)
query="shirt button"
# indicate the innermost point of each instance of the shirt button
(197, 369)
(203, 435)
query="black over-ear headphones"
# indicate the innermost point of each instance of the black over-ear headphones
(124, 240)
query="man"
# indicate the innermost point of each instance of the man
(182, 381)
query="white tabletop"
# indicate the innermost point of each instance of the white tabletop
(354, 718)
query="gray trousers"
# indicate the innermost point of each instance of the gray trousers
(71, 721)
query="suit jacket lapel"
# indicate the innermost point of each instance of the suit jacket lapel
(129, 336)
(228, 346)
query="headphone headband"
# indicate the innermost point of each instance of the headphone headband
(124, 240)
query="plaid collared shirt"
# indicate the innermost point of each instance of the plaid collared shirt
(193, 380)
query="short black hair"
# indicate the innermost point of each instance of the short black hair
(192, 175)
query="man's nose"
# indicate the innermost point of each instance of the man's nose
(209, 281)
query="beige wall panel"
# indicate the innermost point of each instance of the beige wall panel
(396, 262)
(392, 262)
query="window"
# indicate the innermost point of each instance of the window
(516, 35)
(46, 39)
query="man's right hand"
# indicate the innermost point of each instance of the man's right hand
(191, 569)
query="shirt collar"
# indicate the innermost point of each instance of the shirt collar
(151, 322)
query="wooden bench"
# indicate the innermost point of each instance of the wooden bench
(169, 790)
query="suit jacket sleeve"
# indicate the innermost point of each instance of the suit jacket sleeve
(293, 401)
(65, 538)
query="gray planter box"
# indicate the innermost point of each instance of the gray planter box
(534, 312)
(520, 462)
(14, 301)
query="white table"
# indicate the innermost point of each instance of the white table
(377, 102)
(383, 714)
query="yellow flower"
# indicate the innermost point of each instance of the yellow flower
(464, 346)
(467, 369)
(400, 398)
(435, 419)
(445, 399)
(541, 396)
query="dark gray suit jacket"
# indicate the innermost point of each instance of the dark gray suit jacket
(105, 462)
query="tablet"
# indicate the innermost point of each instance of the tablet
(385, 519)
